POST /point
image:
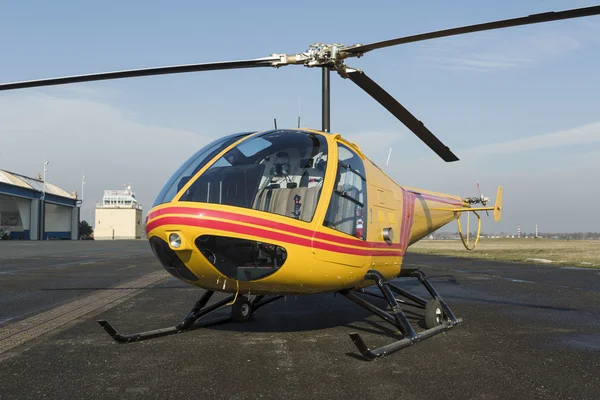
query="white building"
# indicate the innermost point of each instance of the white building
(31, 209)
(119, 216)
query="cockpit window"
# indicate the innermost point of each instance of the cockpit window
(193, 165)
(280, 172)
(348, 202)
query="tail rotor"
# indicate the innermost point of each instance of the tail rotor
(478, 200)
(482, 199)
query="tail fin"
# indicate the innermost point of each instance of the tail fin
(498, 205)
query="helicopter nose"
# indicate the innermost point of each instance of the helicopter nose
(193, 243)
(169, 259)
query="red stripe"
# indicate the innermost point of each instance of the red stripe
(265, 234)
(409, 224)
(408, 214)
(207, 213)
(439, 199)
(403, 219)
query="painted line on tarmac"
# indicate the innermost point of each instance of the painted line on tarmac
(122, 269)
(415, 265)
(23, 331)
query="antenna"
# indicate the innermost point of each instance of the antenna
(275, 122)
(388, 159)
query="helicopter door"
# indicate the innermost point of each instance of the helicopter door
(346, 213)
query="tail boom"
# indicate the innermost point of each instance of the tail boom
(434, 210)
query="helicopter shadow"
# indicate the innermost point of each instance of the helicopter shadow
(307, 313)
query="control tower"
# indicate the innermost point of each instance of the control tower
(119, 216)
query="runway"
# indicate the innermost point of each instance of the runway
(528, 332)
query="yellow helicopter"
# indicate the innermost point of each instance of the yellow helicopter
(261, 215)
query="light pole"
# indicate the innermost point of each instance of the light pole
(43, 203)
(45, 170)
(82, 183)
(81, 216)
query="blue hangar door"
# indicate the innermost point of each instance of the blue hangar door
(57, 222)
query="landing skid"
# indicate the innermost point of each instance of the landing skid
(242, 309)
(438, 316)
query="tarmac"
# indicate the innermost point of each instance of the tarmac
(528, 332)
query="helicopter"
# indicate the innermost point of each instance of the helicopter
(260, 215)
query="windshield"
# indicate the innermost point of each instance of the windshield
(279, 172)
(193, 165)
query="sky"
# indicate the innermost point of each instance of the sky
(518, 106)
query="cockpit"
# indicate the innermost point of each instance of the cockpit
(280, 172)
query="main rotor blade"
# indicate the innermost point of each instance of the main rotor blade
(531, 19)
(416, 126)
(259, 62)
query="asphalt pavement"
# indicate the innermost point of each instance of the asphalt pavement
(528, 332)
(38, 276)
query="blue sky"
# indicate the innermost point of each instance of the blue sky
(519, 106)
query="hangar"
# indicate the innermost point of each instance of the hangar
(32, 210)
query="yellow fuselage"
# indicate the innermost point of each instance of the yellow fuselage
(319, 259)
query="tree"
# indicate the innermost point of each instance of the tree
(85, 230)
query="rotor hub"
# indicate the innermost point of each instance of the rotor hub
(323, 54)
(317, 55)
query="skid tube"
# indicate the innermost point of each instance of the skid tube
(198, 310)
(397, 316)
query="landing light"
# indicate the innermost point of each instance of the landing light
(175, 240)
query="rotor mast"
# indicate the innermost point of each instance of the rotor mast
(326, 111)
(326, 57)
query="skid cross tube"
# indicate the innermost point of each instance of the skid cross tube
(262, 300)
(410, 296)
(419, 300)
(398, 318)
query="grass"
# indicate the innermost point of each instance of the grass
(580, 253)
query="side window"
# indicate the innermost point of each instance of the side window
(348, 201)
